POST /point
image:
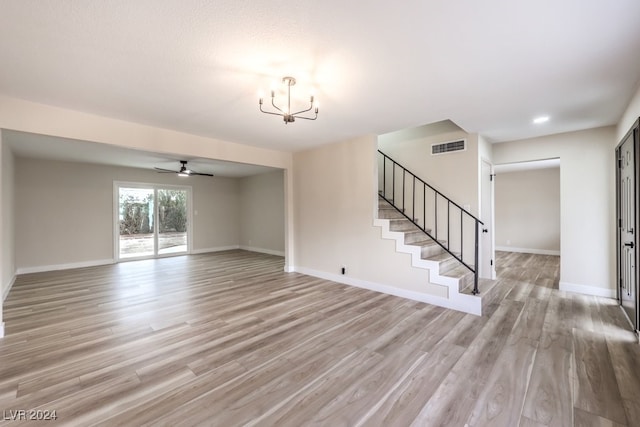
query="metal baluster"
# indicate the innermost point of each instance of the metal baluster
(448, 224)
(393, 183)
(475, 273)
(424, 206)
(435, 195)
(404, 179)
(413, 203)
(384, 176)
(461, 236)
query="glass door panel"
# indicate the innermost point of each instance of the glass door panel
(172, 221)
(136, 217)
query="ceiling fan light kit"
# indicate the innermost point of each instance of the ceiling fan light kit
(285, 112)
(184, 171)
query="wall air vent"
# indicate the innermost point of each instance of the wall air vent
(448, 147)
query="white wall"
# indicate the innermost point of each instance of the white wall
(527, 211)
(335, 192)
(629, 117)
(485, 149)
(7, 237)
(66, 211)
(262, 213)
(587, 205)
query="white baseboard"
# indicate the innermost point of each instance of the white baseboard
(217, 249)
(262, 250)
(465, 303)
(6, 290)
(40, 269)
(588, 290)
(289, 269)
(527, 250)
(1, 329)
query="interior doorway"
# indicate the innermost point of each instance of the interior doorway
(528, 214)
(151, 221)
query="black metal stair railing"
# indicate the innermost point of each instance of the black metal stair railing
(432, 212)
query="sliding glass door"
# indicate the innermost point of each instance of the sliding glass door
(151, 220)
(172, 221)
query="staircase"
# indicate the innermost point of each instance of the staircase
(408, 212)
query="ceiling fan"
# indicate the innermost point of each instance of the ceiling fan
(184, 171)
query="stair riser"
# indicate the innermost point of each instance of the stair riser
(466, 282)
(403, 225)
(451, 262)
(415, 236)
(430, 251)
(389, 214)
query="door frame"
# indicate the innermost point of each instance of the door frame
(155, 187)
(488, 200)
(635, 133)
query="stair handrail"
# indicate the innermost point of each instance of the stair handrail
(412, 219)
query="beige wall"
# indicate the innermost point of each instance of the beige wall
(66, 211)
(335, 192)
(20, 115)
(527, 211)
(587, 205)
(262, 219)
(16, 114)
(453, 174)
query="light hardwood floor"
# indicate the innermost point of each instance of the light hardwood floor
(229, 339)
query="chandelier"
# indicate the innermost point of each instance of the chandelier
(285, 112)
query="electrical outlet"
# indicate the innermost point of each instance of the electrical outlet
(344, 269)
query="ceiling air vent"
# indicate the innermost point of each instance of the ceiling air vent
(448, 147)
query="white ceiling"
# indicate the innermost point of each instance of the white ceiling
(376, 66)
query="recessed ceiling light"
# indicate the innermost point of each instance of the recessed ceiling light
(541, 119)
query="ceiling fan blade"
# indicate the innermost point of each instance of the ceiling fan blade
(160, 170)
(183, 170)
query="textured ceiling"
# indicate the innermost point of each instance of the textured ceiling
(376, 66)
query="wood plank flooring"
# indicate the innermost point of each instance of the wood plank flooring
(228, 339)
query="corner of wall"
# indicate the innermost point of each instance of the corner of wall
(7, 287)
(630, 115)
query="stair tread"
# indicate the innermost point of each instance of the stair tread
(457, 271)
(441, 257)
(428, 241)
(486, 288)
